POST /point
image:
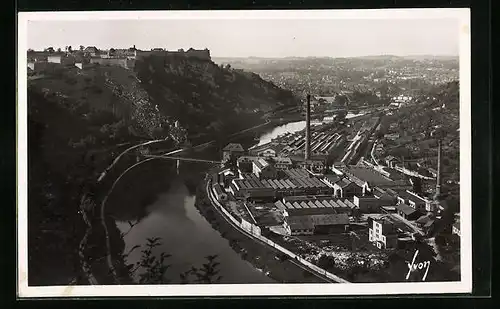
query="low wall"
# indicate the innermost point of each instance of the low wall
(254, 231)
(122, 62)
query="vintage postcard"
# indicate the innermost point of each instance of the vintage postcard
(235, 153)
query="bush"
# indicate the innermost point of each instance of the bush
(70, 81)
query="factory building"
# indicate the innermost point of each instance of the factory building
(314, 204)
(382, 233)
(307, 215)
(296, 182)
(263, 169)
(368, 178)
(245, 163)
(219, 192)
(232, 151)
(316, 224)
(282, 163)
(372, 204)
(344, 188)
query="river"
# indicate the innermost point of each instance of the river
(155, 197)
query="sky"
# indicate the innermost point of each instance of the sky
(257, 37)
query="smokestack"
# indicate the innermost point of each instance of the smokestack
(437, 195)
(308, 128)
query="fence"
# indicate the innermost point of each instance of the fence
(255, 232)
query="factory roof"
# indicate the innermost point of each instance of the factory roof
(218, 189)
(233, 147)
(350, 204)
(293, 212)
(280, 205)
(283, 160)
(344, 183)
(304, 224)
(342, 204)
(332, 178)
(261, 163)
(318, 204)
(367, 174)
(407, 210)
(247, 158)
(311, 221)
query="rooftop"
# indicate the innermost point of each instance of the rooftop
(233, 147)
(261, 163)
(320, 219)
(344, 182)
(332, 178)
(407, 210)
(368, 174)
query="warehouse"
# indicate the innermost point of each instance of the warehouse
(316, 224)
(252, 186)
(305, 205)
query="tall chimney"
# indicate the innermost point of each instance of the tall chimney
(437, 195)
(308, 128)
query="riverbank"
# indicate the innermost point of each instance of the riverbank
(259, 255)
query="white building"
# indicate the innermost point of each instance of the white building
(383, 234)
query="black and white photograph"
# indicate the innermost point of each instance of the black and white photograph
(237, 153)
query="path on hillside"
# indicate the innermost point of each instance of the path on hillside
(115, 161)
(103, 174)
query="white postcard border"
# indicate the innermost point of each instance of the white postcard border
(463, 286)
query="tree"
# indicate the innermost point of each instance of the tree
(59, 50)
(326, 262)
(82, 48)
(50, 50)
(208, 273)
(154, 268)
(70, 49)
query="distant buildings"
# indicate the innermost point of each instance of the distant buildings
(113, 57)
(400, 100)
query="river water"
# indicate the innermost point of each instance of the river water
(157, 199)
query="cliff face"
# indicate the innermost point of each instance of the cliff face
(207, 98)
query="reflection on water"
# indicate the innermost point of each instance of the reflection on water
(287, 128)
(291, 127)
(185, 234)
